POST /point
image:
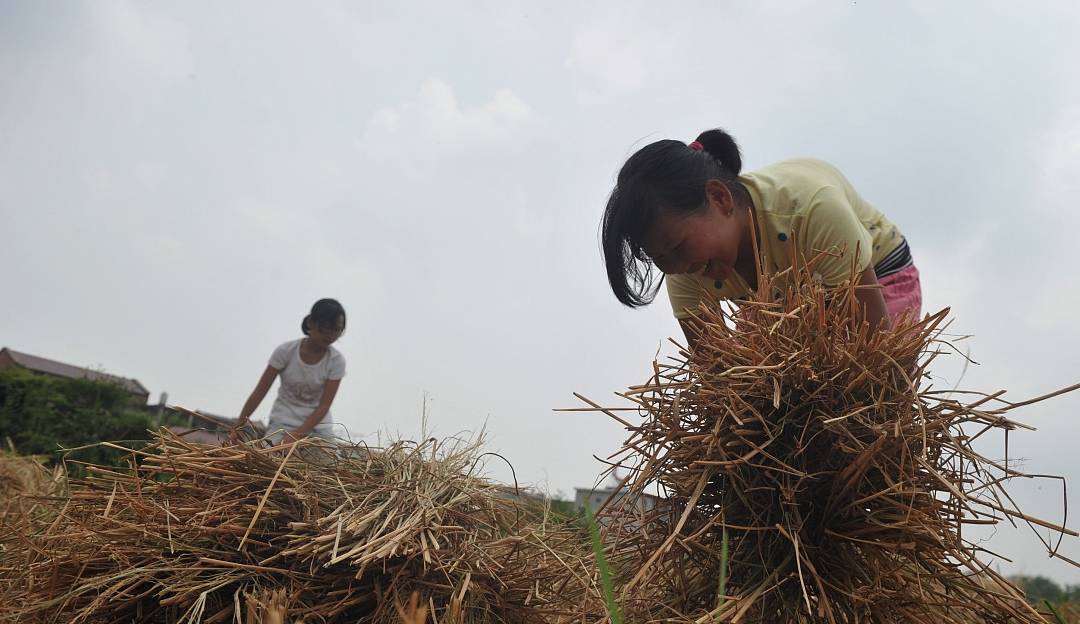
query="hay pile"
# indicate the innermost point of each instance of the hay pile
(24, 478)
(839, 481)
(28, 490)
(317, 534)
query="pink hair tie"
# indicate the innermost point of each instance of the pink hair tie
(696, 146)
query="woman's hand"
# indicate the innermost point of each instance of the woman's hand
(292, 437)
(234, 431)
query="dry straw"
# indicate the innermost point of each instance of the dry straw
(24, 480)
(840, 478)
(28, 495)
(311, 533)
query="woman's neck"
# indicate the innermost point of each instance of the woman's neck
(746, 265)
(312, 348)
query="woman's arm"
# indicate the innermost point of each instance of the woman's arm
(872, 303)
(329, 392)
(257, 394)
(690, 331)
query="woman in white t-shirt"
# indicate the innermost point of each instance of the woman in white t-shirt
(311, 370)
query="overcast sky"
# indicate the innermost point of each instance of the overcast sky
(179, 182)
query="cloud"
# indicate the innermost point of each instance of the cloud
(1055, 296)
(1061, 161)
(434, 122)
(144, 37)
(83, 70)
(619, 50)
(616, 51)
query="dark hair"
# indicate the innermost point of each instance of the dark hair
(665, 175)
(324, 314)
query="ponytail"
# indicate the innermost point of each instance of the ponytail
(721, 146)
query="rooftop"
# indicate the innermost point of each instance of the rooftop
(60, 369)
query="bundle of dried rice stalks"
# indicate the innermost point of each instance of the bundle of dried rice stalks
(818, 457)
(311, 533)
(28, 476)
(28, 491)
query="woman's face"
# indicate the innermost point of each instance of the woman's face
(705, 242)
(326, 336)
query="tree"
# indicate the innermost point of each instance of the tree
(43, 415)
(1039, 588)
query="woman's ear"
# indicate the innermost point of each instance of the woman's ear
(719, 194)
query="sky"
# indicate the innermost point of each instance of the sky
(179, 182)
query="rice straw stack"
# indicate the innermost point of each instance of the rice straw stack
(28, 490)
(814, 459)
(305, 533)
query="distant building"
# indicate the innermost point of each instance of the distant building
(594, 498)
(10, 358)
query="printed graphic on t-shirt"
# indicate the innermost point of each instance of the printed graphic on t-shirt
(303, 393)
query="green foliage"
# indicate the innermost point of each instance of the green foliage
(1039, 588)
(1054, 612)
(722, 591)
(563, 507)
(606, 577)
(42, 415)
(1045, 592)
(169, 417)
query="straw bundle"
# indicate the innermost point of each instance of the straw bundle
(23, 475)
(27, 490)
(809, 455)
(316, 533)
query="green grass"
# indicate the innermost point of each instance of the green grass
(605, 571)
(607, 585)
(1057, 616)
(722, 590)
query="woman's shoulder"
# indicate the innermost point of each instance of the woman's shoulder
(335, 363)
(283, 354)
(289, 345)
(802, 171)
(787, 188)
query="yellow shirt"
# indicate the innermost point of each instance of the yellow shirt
(807, 203)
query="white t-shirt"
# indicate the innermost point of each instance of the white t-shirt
(302, 384)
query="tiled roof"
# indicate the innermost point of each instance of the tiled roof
(59, 369)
